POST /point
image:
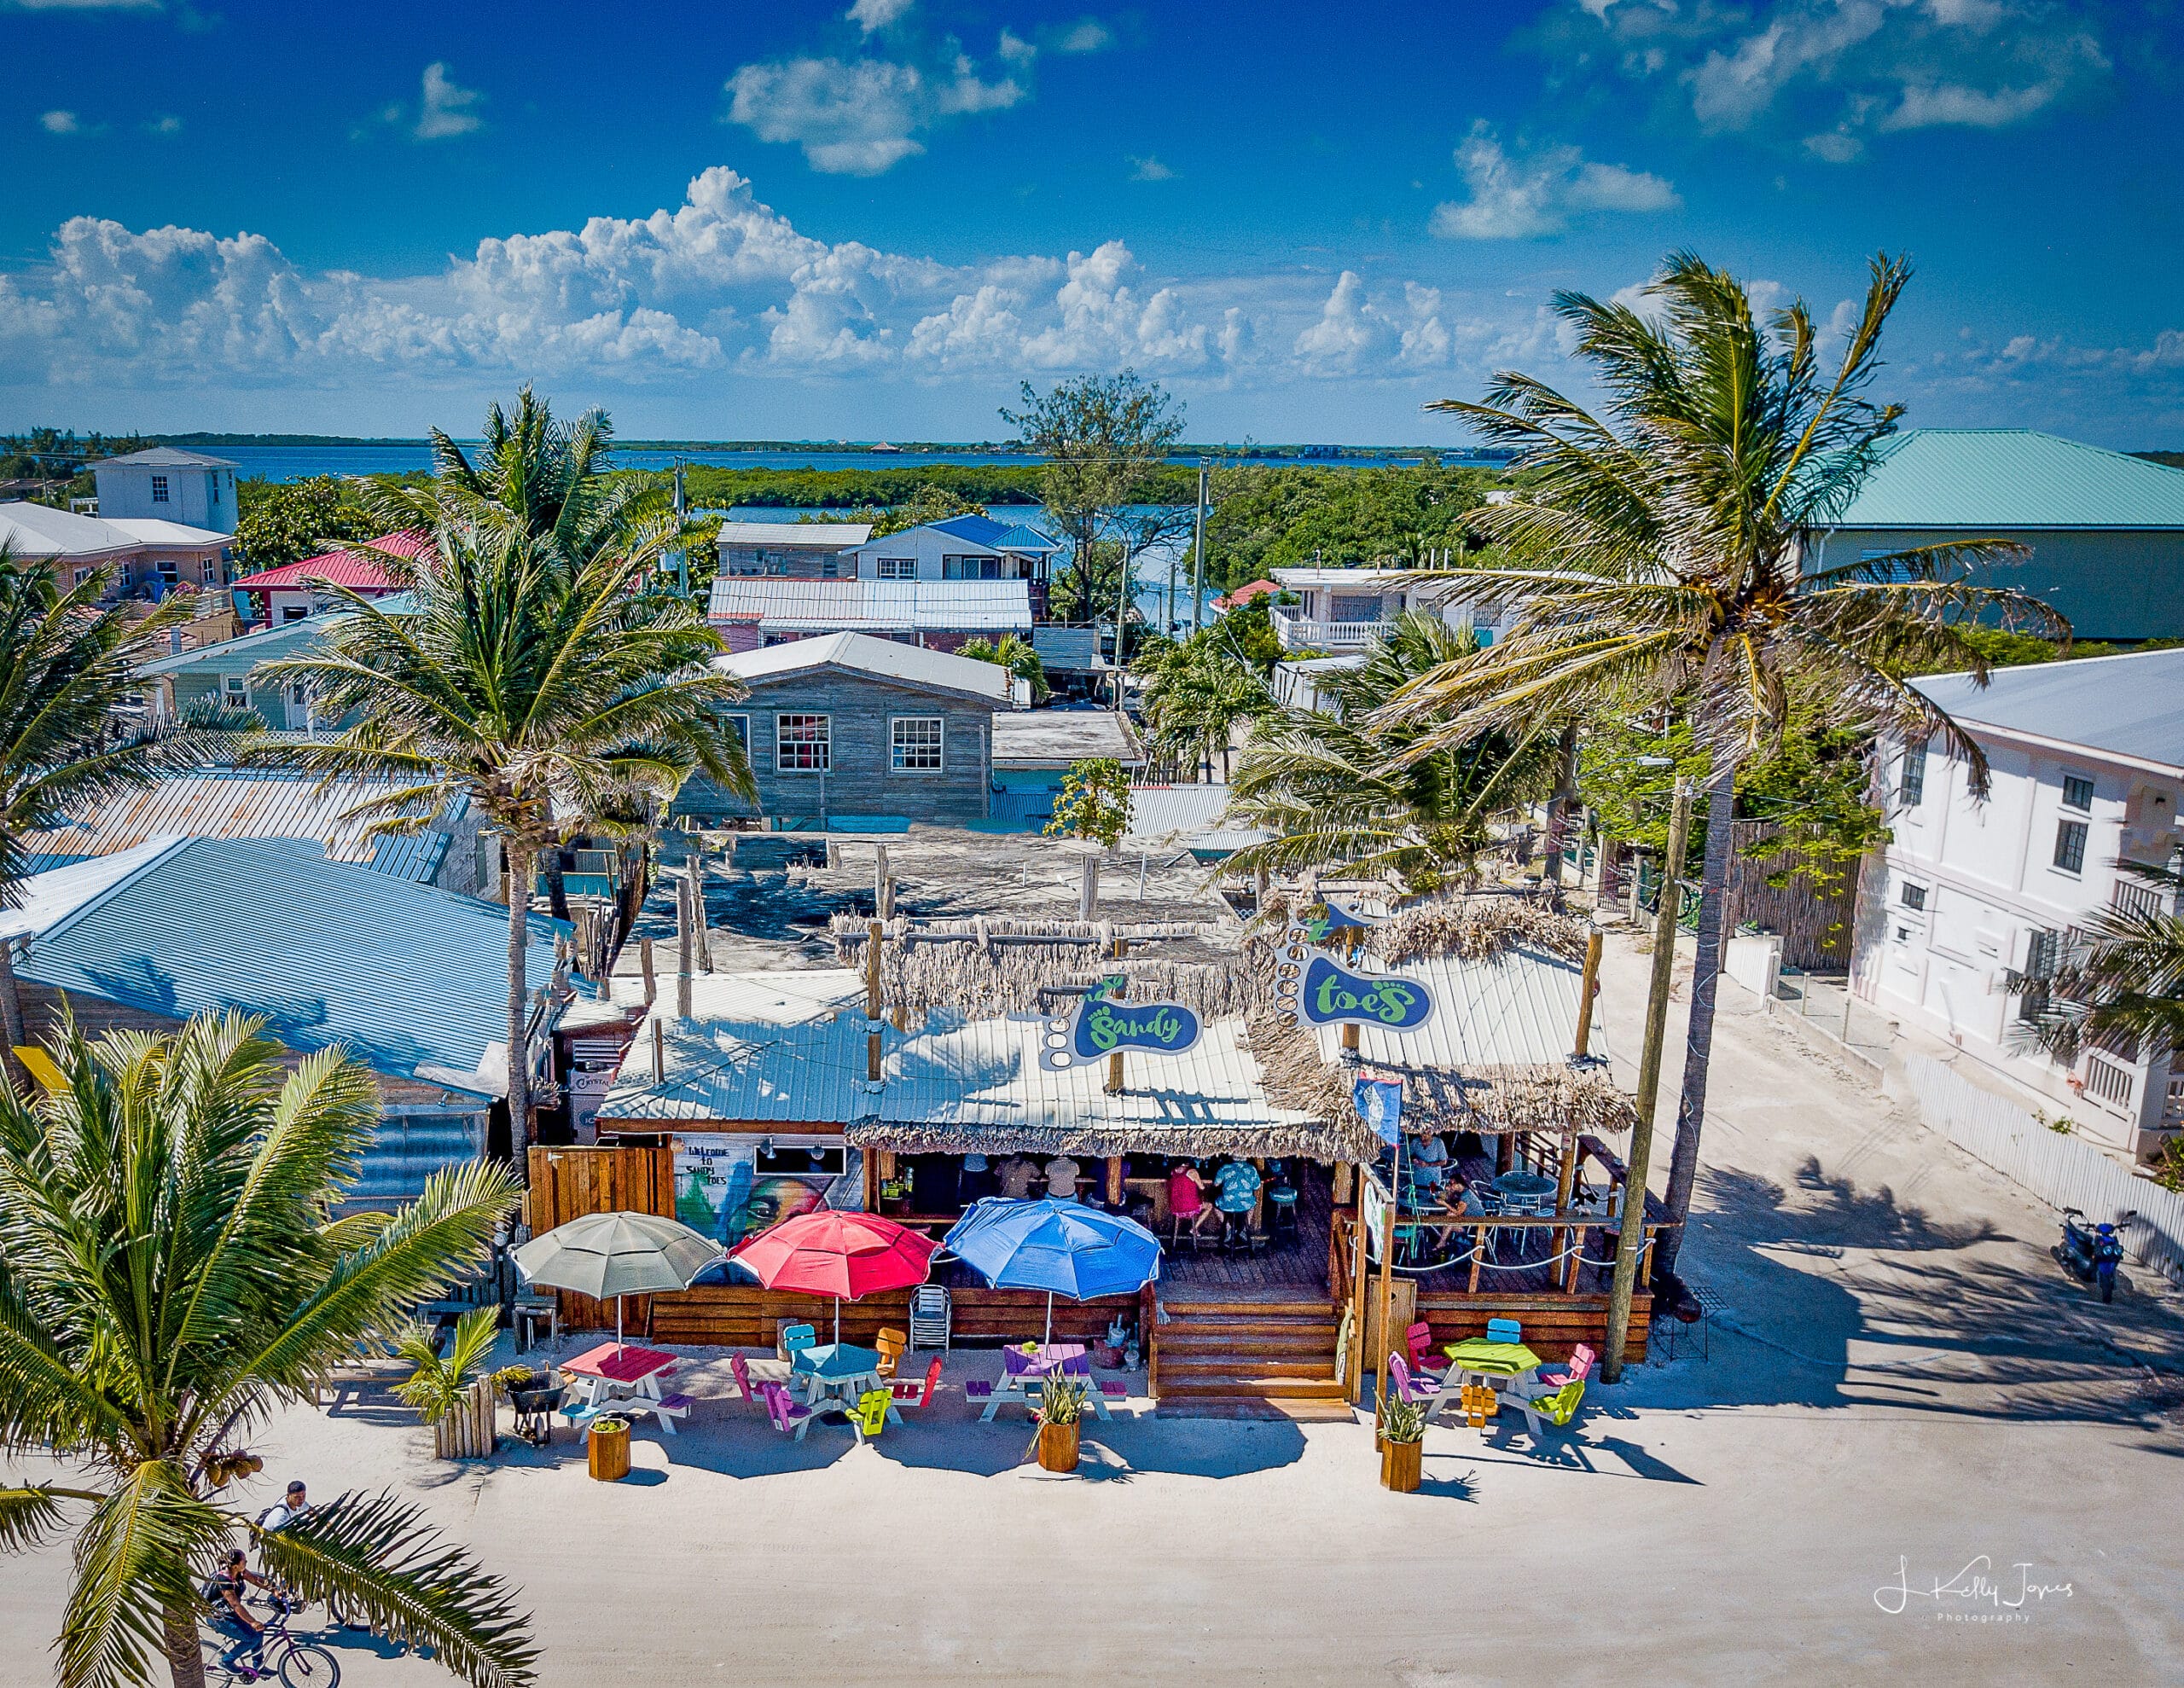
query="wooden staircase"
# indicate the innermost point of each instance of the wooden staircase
(1247, 1357)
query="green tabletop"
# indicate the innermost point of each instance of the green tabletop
(1503, 1360)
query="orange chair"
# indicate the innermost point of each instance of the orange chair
(892, 1346)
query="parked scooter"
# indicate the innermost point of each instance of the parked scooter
(2090, 1253)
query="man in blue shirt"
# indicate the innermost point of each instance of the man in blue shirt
(1235, 1189)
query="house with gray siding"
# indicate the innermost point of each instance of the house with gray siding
(790, 550)
(862, 733)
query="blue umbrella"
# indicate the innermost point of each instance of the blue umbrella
(1061, 1247)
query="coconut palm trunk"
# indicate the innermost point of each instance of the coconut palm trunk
(1698, 1038)
(185, 1655)
(519, 858)
(1558, 811)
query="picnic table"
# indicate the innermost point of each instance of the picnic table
(837, 1373)
(1022, 1375)
(622, 1377)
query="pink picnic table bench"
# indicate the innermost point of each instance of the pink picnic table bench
(622, 1377)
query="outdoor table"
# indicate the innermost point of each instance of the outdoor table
(1525, 1191)
(1489, 1362)
(612, 1369)
(839, 1372)
(1022, 1373)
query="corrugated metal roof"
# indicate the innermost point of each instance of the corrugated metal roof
(1054, 738)
(825, 536)
(783, 606)
(404, 975)
(247, 804)
(1519, 1010)
(358, 574)
(1071, 647)
(882, 658)
(168, 458)
(783, 1048)
(2131, 705)
(2002, 478)
(1188, 816)
(157, 530)
(987, 1073)
(38, 530)
(53, 891)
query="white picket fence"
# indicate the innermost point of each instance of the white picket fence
(2056, 1168)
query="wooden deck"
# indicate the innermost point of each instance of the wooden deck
(1290, 1268)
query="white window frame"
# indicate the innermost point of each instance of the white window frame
(740, 721)
(235, 691)
(82, 575)
(1911, 775)
(783, 742)
(894, 568)
(896, 746)
(1912, 894)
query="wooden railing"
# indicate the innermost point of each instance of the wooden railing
(1568, 1244)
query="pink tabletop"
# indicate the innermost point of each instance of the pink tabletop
(619, 1363)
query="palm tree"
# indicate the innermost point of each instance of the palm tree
(1339, 789)
(67, 667)
(551, 686)
(1672, 526)
(168, 1279)
(1198, 693)
(2119, 981)
(1014, 652)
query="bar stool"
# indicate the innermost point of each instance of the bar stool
(1281, 1217)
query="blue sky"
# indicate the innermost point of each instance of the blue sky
(781, 221)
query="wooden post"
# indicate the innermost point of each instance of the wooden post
(1588, 984)
(1088, 893)
(1349, 1041)
(1343, 1177)
(1567, 1181)
(1632, 1224)
(1359, 1276)
(1115, 1060)
(1385, 1300)
(883, 886)
(658, 1053)
(1114, 1181)
(682, 935)
(644, 960)
(871, 1004)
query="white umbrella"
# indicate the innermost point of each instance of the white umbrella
(615, 1255)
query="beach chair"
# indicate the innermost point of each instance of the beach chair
(1581, 1361)
(742, 1369)
(786, 1414)
(1504, 1331)
(892, 1345)
(869, 1416)
(929, 1317)
(1418, 1342)
(1480, 1402)
(908, 1393)
(794, 1339)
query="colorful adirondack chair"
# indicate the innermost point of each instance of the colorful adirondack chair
(742, 1369)
(1419, 1341)
(907, 1392)
(1581, 1361)
(1504, 1331)
(788, 1414)
(869, 1416)
(891, 1345)
(1480, 1401)
(795, 1338)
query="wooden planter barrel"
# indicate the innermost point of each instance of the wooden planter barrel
(608, 1446)
(1401, 1465)
(1058, 1447)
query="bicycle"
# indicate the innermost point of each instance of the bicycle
(298, 1664)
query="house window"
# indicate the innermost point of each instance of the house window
(158, 489)
(2078, 793)
(295, 612)
(801, 743)
(210, 569)
(236, 690)
(739, 725)
(896, 568)
(2105, 1081)
(830, 568)
(2043, 950)
(1911, 788)
(1915, 896)
(2069, 845)
(82, 575)
(212, 490)
(915, 744)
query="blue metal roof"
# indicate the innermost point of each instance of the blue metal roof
(1999, 479)
(979, 530)
(403, 974)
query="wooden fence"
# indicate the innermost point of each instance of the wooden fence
(568, 1183)
(2051, 1165)
(1815, 928)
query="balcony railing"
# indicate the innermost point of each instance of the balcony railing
(1300, 633)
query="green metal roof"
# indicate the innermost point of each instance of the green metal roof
(1997, 479)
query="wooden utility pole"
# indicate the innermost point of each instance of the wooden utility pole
(872, 1003)
(1115, 1060)
(1631, 1234)
(682, 935)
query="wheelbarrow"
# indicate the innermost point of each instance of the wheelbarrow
(534, 1412)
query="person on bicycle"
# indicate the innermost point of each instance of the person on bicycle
(224, 1593)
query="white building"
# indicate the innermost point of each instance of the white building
(2087, 766)
(962, 548)
(166, 484)
(147, 556)
(1342, 611)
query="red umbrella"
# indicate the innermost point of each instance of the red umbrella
(842, 1255)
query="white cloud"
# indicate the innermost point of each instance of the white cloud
(83, 5)
(444, 109)
(1148, 169)
(61, 122)
(169, 125)
(1086, 35)
(861, 117)
(874, 15)
(1830, 71)
(1525, 195)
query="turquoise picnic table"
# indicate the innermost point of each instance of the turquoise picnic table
(841, 1372)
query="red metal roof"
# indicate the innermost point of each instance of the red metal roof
(343, 568)
(1244, 595)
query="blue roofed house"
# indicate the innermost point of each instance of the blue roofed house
(412, 980)
(963, 547)
(2105, 531)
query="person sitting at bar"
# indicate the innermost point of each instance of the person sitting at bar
(1187, 1197)
(1235, 1189)
(1429, 1155)
(1061, 1178)
(1018, 1173)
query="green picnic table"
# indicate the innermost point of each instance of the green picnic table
(1484, 1358)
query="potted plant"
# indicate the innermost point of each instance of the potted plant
(1061, 1406)
(606, 1448)
(1403, 1445)
(444, 1387)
